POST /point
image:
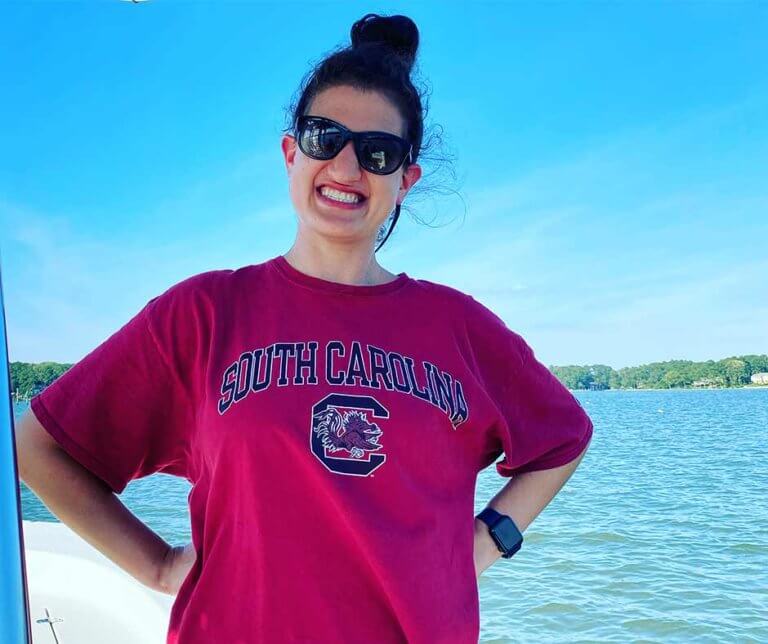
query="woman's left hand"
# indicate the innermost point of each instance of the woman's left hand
(486, 551)
(177, 564)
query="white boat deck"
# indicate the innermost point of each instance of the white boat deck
(95, 600)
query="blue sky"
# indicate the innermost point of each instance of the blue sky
(613, 159)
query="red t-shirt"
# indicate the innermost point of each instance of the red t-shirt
(332, 434)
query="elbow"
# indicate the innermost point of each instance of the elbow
(33, 443)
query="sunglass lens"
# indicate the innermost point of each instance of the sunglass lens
(321, 140)
(381, 155)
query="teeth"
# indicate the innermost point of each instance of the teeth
(337, 195)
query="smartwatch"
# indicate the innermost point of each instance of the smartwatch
(503, 530)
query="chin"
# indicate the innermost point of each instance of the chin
(344, 227)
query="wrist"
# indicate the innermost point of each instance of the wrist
(486, 550)
(162, 572)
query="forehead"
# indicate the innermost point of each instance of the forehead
(358, 110)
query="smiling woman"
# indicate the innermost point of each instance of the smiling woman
(331, 416)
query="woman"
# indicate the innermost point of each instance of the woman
(332, 416)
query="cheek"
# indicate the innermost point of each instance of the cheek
(302, 180)
(386, 188)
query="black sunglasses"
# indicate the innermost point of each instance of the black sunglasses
(377, 152)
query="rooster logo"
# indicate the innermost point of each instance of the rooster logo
(350, 431)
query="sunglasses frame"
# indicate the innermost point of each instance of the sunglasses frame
(356, 137)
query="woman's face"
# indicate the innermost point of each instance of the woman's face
(358, 111)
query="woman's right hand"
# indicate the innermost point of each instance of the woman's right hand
(176, 565)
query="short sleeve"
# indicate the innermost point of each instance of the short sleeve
(540, 423)
(123, 411)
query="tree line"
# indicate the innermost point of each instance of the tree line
(28, 379)
(735, 371)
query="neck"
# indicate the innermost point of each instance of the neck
(336, 265)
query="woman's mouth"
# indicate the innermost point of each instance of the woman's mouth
(337, 199)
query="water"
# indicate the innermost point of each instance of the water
(661, 535)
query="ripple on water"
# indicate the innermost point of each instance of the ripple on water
(554, 607)
(604, 536)
(748, 548)
(660, 626)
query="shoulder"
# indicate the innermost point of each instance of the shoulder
(192, 301)
(208, 286)
(181, 318)
(481, 323)
(192, 290)
(439, 296)
(488, 333)
(470, 309)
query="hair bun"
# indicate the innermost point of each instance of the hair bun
(399, 33)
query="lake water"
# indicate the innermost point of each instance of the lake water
(659, 536)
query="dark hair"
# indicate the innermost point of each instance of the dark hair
(380, 57)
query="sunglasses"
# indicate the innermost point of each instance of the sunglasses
(377, 152)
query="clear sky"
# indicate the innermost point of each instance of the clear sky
(612, 158)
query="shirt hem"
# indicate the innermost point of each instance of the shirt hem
(547, 464)
(71, 447)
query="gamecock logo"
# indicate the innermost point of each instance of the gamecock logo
(343, 437)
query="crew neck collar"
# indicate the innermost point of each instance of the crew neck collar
(282, 265)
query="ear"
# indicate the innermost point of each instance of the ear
(288, 144)
(410, 176)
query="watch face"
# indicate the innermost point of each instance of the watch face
(507, 532)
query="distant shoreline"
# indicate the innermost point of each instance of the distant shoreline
(674, 388)
(614, 389)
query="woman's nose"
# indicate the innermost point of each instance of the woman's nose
(344, 164)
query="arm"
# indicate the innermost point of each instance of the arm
(522, 498)
(86, 504)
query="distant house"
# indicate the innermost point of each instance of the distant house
(705, 382)
(759, 378)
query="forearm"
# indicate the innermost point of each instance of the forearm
(523, 498)
(84, 503)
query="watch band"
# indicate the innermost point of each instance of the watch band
(504, 532)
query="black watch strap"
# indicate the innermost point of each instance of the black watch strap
(504, 532)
